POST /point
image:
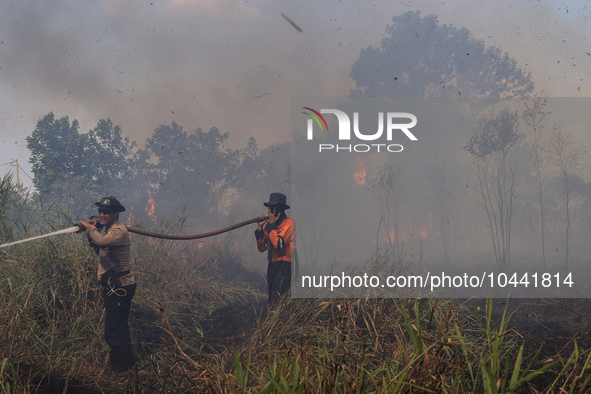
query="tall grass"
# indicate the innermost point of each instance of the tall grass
(393, 346)
(51, 314)
(200, 325)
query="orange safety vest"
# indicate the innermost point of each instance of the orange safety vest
(279, 239)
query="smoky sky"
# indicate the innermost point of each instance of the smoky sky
(236, 64)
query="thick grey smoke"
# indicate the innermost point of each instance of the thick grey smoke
(439, 211)
(235, 64)
(225, 64)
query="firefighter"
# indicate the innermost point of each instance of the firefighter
(277, 236)
(118, 283)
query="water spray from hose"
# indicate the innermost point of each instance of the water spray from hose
(64, 231)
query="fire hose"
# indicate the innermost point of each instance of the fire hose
(78, 229)
(195, 236)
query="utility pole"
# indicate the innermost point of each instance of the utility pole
(17, 180)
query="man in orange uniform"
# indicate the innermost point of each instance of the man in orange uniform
(277, 236)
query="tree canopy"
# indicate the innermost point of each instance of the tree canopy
(192, 168)
(177, 168)
(420, 58)
(68, 165)
(58, 151)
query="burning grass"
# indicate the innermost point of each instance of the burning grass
(200, 324)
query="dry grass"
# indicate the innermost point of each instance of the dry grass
(200, 325)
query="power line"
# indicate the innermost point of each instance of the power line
(25, 172)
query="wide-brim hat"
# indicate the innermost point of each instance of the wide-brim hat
(277, 199)
(110, 203)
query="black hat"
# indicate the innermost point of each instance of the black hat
(110, 203)
(277, 199)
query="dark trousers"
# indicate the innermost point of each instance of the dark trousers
(278, 281)
(117, 307)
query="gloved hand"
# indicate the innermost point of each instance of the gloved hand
(90, 222)
(95, 222)
(82, 226)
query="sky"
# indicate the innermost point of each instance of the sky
(237, 64)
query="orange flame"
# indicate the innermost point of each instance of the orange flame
(360, 171)
(423, 232)
(151, 208)
(130, 217)
(413, 229)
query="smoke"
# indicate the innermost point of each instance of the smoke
(237, 65)
(226, 64)
(431, 210)
(234, 64)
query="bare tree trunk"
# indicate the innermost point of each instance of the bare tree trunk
(567, 157)
(495, 147)
(542, 219)
(567, 194)
(534, 117)
(386, 188)
(444, 197)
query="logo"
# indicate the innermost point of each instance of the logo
(344, 133)
(316, 119)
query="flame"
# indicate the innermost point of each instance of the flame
(360, 171)
(130, 217)
(409, 230)
(151, 208)
(425, 229)
(423, 232)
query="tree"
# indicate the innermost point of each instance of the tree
(533, 117)
(387, 189)
(262, 172)
(75, 169)
(420, 58)
(58, 152)
(495, 149)
(192, 169)
(566, 157)
(444, 195)
(111, 158)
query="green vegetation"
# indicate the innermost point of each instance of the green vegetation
(410, 63)
(199, 324)
(176, 168)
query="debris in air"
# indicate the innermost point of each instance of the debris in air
(291, 22)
